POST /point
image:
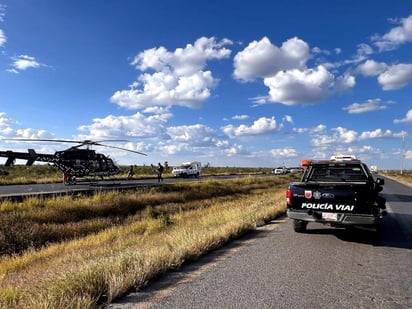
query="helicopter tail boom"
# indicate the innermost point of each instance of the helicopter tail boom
(30, 156)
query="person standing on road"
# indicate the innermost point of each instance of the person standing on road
(160, 170)
(130, 173)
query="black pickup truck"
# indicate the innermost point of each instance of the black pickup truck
(336, 192)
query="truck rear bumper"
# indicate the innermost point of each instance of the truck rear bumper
(341, 218)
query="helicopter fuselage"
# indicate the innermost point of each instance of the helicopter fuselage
(85, 162)
(73, 161)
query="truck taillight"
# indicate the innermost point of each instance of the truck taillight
(289, 196)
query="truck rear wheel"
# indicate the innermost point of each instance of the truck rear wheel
(299, 226)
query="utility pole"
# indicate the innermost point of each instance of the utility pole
(402, 152)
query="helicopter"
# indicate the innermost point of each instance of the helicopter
(72, 162)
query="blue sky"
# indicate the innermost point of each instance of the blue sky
(229, 83)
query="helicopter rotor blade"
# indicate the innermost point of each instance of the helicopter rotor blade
(120, 148)
(90, 142)
(81, 143)
(94, 143)
(40, 140)
(85, 142)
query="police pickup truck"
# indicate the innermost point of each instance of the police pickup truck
(338, 192)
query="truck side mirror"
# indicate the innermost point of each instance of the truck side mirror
(380, 181)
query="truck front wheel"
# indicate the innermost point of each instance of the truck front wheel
(299, 226)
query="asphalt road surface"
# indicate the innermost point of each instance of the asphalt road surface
(10, 191)
(274, 267)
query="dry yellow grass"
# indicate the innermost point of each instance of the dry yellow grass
(405, 178)
(100, 267)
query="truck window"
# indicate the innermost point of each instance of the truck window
(337, 173)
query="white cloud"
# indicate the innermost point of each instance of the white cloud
(5, 121)
(8, 130)
(234, 150)
(363, 50)
(263, 59)
(179, 78)
(3, 38)
(372, 68)
(190, 139)
(156, 110)
(300, 130)
(345, 135)
(32, 133)
(345, 83)
(339, 136)
(323, 140)
(240, 117)
(362, 53)
(183, 61)
(2, 12)
(288, 118)
(407, 119)
(284, 152)
(319, 129)
(390, 77)
(364, 107)
(318, 51)
(24, 62)
(139, 146)
(172, 149)
(379, 134)
(295, 87)
(137, 125)
(167, 89)
(195, 135)
(396, 36)
(263, 125)
(396, 76)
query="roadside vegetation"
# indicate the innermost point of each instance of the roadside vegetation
(43, 173)
(404, 178)
(83, 252)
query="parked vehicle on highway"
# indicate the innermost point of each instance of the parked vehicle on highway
(281, 170)
(188, 169)
(374, 169)
(339, 192)
(295, 170)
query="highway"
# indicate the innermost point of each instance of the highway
(274, 267)
(20, 191)
(17, 192)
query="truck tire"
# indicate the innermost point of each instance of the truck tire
(378, 230)
(299, 226)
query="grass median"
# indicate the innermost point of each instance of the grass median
(159, 231)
